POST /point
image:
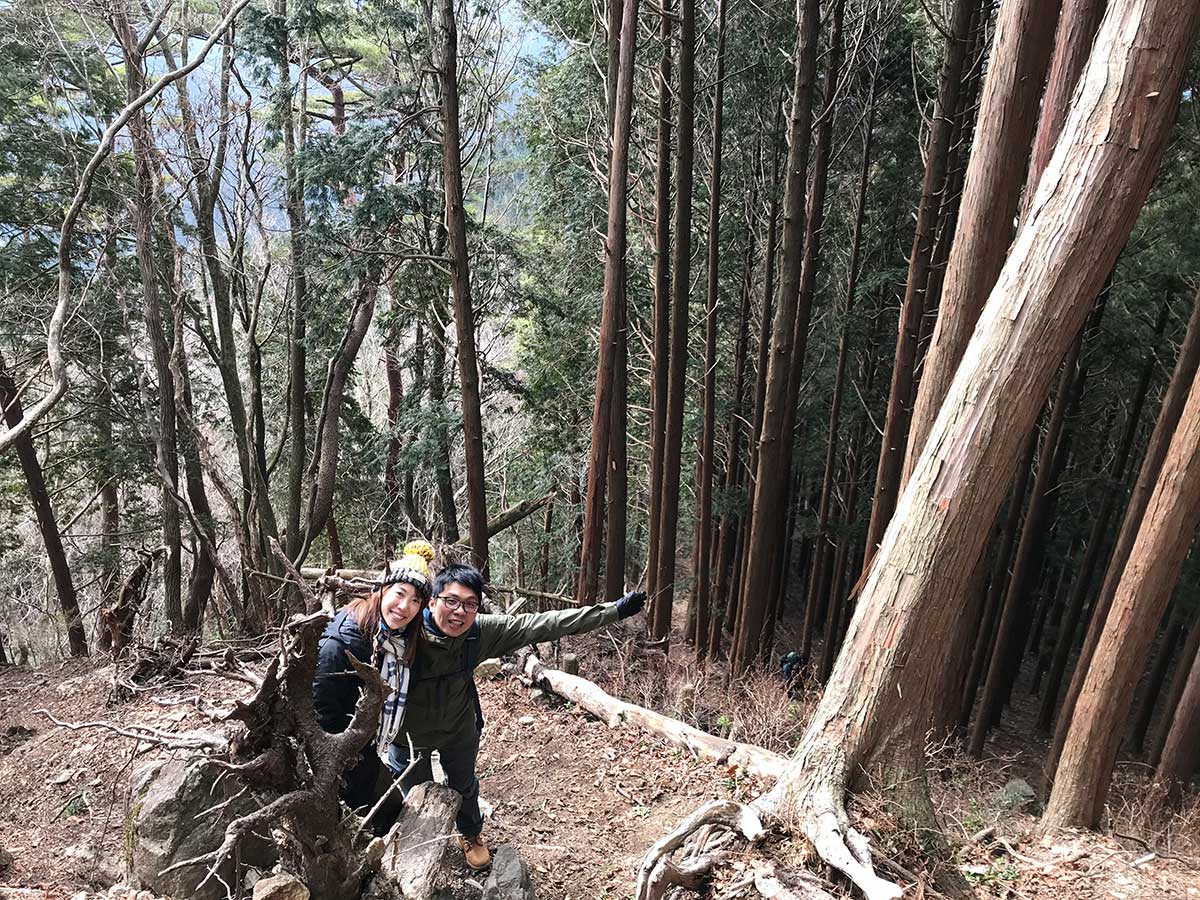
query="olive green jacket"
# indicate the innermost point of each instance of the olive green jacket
(440, 710)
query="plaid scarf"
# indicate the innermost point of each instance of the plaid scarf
(389, 656)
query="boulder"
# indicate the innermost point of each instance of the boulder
(282, 886)
(165, 825)
(509, 878)
(1017, 796)
(488, 668)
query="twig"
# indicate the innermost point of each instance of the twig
(190, 740)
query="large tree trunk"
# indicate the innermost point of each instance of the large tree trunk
(703, 572)
(441, 440)
(1169, 414)
(612, 319)
(681, 264)
(1149, 577)
(933, 187)
(1008, 110)
(768, 513)
(56, 557)
(460, 284)
(660, 371)
(873, 716)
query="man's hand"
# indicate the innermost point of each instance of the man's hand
(631, 604)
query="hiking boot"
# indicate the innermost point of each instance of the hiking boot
(475, 850)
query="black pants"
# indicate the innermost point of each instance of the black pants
(458, 762)
(365, 783)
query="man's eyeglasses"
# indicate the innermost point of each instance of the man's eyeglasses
(451, 602)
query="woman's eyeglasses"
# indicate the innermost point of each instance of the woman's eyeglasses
(452, 602)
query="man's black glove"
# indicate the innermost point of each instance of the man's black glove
(631, 604)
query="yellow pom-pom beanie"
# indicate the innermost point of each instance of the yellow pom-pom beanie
(412, 568)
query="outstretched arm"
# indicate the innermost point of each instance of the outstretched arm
(503, 634)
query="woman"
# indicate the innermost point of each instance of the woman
(380, 628)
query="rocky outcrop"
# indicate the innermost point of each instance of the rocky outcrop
(167, 824)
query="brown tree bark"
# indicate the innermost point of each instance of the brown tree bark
(681, 264)
(660, 371)
(437, 399)
(912, 309)
(1156, 678)
(1179, 682)
(391, 481)
(1169, 414)
(1008, 110)
(460, 285)
(1114, 136)
(703, 573)
(768, 513)
(1155, 560)
(39, 497)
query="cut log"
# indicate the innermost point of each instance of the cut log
(614, 711)
(413, 851)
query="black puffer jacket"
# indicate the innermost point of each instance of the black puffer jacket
(336, 687)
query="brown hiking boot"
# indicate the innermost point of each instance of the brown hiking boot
(475, 850)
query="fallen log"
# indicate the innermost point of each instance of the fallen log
(614, 711)
(413, 851)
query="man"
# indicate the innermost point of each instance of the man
(443, 711)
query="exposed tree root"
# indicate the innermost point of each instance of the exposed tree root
(656, 870)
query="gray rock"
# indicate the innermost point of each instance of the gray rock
(509, 878)
(6, 860)
(1017, 796)
(283, 886)
(488, 668)
(165, 826)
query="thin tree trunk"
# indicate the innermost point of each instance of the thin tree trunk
(704, 517)
(1097, 539)
(1179, 681)
(441, 440)
(660, 372)
(1151, 571)
(681, 263)
(460, 284)
(1148, 476)
(1181, 753)
(391, 482)
(43, 509)
(768, 514)
(912, 309)
(1156, 678)
(1031, 549)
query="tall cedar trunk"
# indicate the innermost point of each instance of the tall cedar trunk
(611, 331)
(1148, 476)
(1096, 542)
(1156, 678)
(660, 372)
(768, 512)
(1030, 550)
(391, 483)
(616, 518)
(547, 524)
(1115, 135)
(441, 440)
(933, 185)
(144, 216)
(681, 263)
(728, 529)
(766, 319)
(460, 284)
(1147, 582)
(1181, 753)
(106, 475)
(843, 561)
(39, 496)
(822, 552)
(703, 573)
(1008, 110)
(996, 588)
(297, 353)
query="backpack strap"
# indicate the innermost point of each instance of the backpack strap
(470, 661)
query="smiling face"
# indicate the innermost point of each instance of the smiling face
(454, 609)
(399, 604)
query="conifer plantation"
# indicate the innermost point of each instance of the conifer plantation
(861, 337)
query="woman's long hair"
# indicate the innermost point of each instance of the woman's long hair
(367, 612)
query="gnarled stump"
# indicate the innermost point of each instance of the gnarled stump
(415, 846)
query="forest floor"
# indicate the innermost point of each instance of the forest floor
(580, 802)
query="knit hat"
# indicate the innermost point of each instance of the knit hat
(411, 568)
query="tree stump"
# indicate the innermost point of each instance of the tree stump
(416, 844)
